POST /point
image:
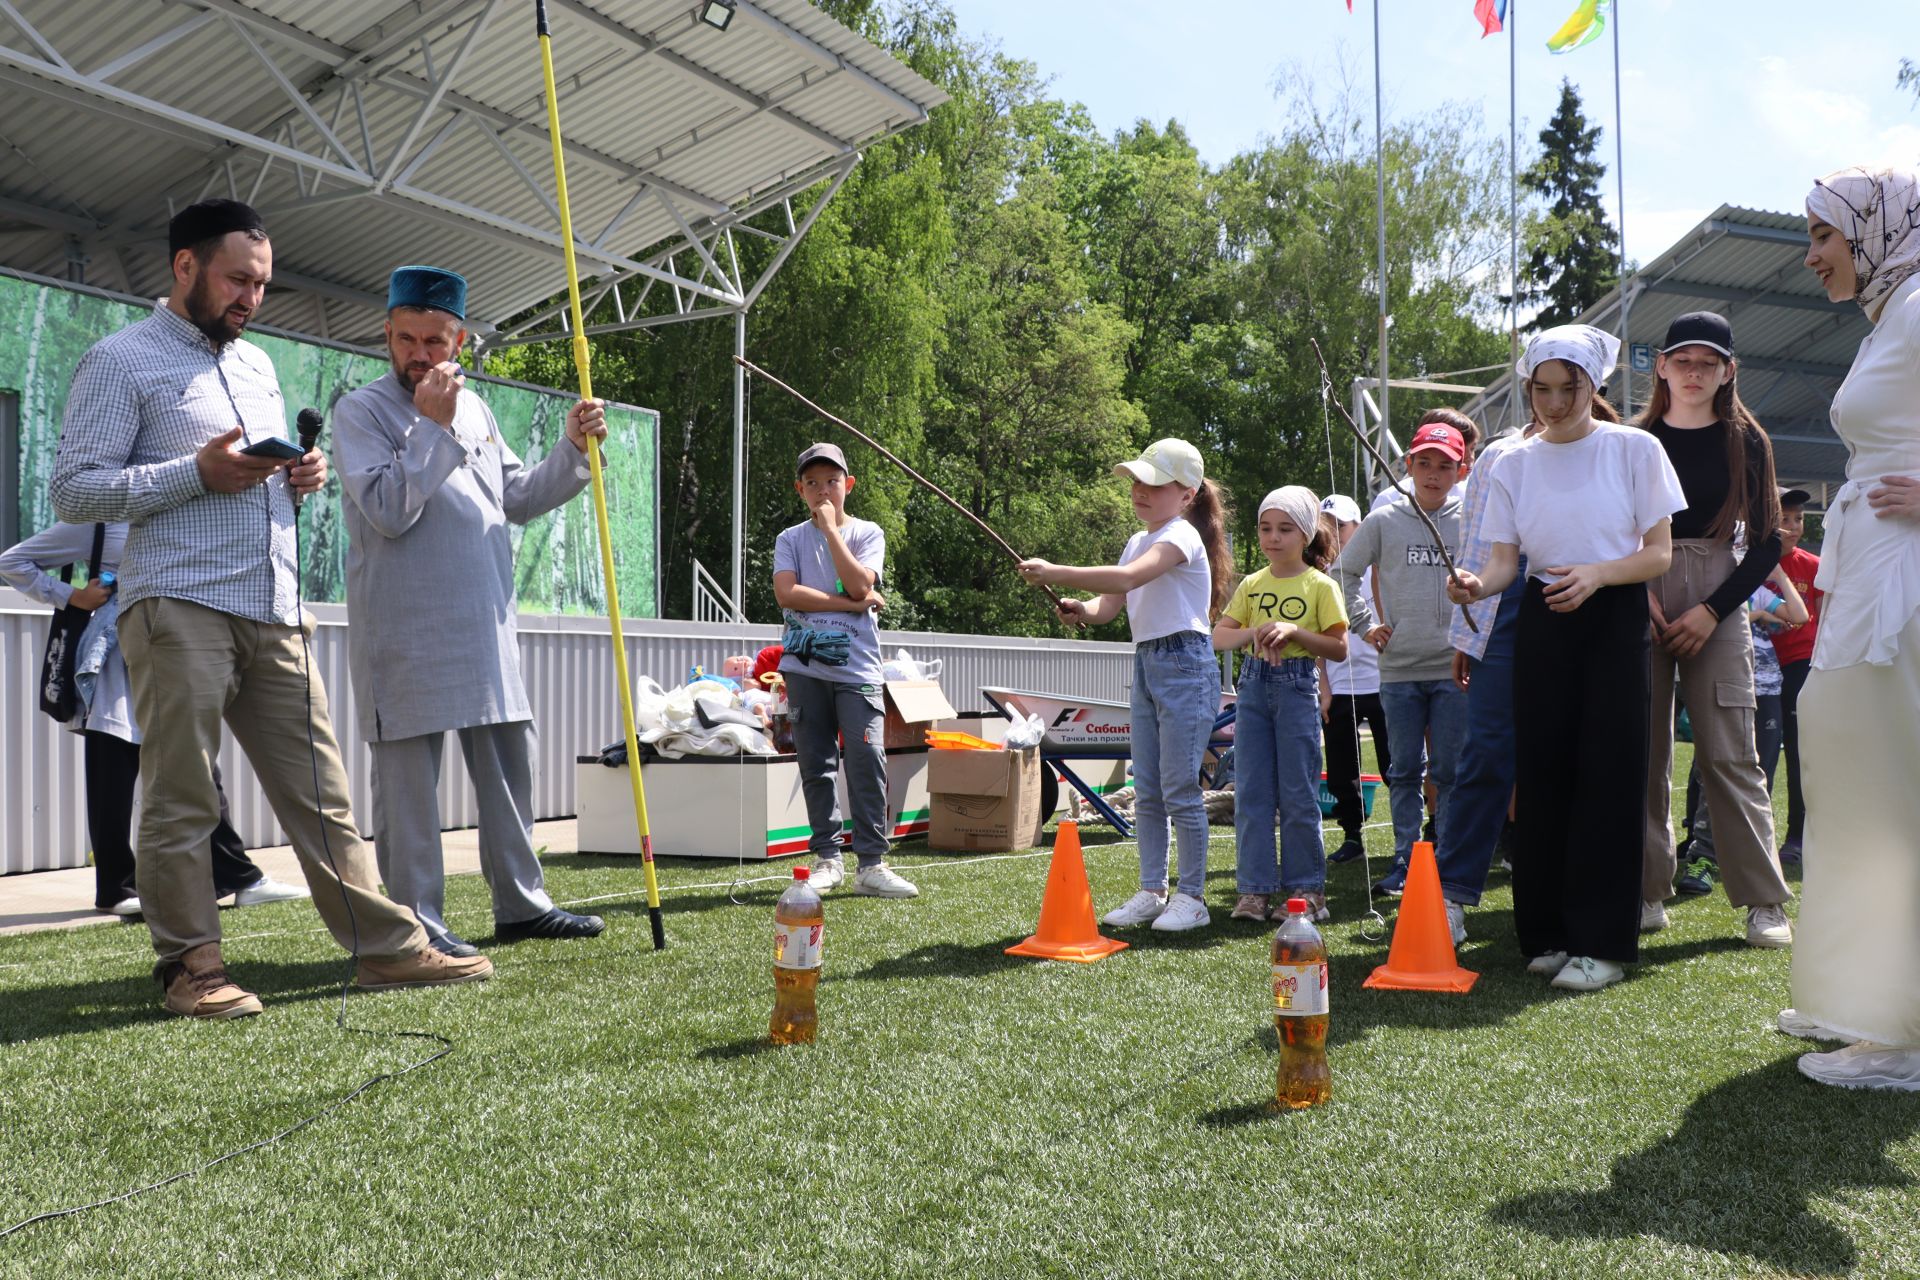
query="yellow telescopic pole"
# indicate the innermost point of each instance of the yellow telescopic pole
(582, 363)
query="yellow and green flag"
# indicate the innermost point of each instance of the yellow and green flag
(1583, 26)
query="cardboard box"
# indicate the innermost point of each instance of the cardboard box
(983, 801)
(912, 707)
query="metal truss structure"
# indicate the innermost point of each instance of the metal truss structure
(377, 132)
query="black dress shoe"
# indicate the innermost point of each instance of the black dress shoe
(449, 945)
(554, 924)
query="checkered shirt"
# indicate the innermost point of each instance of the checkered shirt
(143, 402)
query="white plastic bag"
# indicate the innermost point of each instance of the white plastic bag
(1025, 732)
(900, 666)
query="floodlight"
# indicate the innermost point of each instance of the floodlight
(717, 13)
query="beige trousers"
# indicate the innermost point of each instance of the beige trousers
(1717, 684)
(190, 666)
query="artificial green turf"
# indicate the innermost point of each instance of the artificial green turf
(610, 1111)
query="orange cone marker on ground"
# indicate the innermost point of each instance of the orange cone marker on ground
(1421, 958)
(1067, 928)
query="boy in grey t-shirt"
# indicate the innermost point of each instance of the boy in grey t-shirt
(825, 574)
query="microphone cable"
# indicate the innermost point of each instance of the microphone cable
(310, 422)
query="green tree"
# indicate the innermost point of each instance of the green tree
(1572, 248)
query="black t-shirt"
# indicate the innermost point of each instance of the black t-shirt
(1699, 458)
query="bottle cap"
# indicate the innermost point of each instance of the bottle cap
(1296, 906)
(803, 873)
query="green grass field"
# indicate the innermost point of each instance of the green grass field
(610, 1111)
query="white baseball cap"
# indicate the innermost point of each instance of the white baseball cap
(1166, 462)
(1341, 508)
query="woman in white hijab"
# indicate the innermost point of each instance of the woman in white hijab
(1589, 504)
(1856, 966)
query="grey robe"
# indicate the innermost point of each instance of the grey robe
(432, 644)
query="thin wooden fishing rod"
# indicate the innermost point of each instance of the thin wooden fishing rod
(1386, 468)
(890, 456)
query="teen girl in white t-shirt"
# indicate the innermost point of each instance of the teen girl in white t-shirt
(1589, 503)
(1172, 579)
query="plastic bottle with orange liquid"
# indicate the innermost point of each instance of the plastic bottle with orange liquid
(1300, 1010)
(799, 921)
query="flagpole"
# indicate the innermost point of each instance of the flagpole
(1620, 179)
(1380, 217)
(1513, 213)
(582, 363)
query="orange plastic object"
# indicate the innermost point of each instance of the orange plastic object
(1067, 929)
(1421, 958)
(945, 740)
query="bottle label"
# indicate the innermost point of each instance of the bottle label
(1300, 990)
(797, 946)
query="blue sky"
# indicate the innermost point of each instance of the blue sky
(1738, 102)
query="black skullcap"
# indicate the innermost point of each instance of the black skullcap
(209, 220)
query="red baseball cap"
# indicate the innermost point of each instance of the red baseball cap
(1439, 436)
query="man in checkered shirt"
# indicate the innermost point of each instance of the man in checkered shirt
(156, 423)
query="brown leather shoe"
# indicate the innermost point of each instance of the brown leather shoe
(198, 986)
(424, 968)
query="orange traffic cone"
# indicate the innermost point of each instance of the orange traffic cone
(1421, 958)
(1067, 930)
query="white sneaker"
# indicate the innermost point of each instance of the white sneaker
(1584, 973)
(1180, 914)
(1549, 964)
(267, 889)
(1792, 1022)
(1653, 917)
(882, 881)
(1457, 921)
(1767, 927)
(1865, 1066)
(126, 907)
(826, 874)
(1142, 908)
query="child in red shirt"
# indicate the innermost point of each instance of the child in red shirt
(1794, 647)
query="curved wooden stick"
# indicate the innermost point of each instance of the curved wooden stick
(1326, 389)
(890, 456)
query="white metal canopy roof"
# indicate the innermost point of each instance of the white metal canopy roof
(374, 133)
(1794, 346)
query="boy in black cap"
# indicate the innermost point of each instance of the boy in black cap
(825, 574)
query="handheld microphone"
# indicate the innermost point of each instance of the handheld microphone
(308, 422)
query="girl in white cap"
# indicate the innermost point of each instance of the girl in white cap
(1289, 614)
(1589, 503)
(1856, 967)
(1172, 579)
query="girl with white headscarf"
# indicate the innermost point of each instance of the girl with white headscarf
(1589, 503)
(1287, 615)
(1856, 965)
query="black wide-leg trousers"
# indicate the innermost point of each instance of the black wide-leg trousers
(1581, 684)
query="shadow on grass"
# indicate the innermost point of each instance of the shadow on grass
(947, 960)
(1735, 1178)
(734, 1050)
(105, 1004)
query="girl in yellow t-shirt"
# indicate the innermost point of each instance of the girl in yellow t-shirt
(1287, 614)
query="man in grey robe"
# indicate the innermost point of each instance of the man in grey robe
(430, 487)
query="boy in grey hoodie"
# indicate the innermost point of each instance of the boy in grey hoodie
(1426, 711)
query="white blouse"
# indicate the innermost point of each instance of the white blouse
(1870, 566)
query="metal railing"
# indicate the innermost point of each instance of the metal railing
(710, 602)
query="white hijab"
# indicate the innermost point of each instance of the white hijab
(1593, 351)
(1878, 211)
(1297, 502)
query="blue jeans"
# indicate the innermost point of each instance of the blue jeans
(1419, 710)
(1276, 736)
(1176, 694)
(839, 726)
(1483, 778)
